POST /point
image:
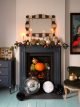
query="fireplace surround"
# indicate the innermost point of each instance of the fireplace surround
(54, 53)
(53, 56)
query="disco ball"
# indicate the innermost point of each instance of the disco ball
(32, 85)
(48, 86)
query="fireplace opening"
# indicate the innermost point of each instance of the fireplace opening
(47, 59)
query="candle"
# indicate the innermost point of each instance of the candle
(23, 36)
(52, 31)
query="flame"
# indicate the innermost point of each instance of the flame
(22, 34)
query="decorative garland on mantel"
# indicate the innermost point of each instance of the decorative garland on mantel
(40, 43)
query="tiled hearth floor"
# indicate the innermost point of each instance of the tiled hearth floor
(10, 100)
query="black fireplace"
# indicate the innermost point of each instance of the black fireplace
(51, 55)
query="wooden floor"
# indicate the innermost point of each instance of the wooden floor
(10, 100)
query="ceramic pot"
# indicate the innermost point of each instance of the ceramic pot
(72, 77)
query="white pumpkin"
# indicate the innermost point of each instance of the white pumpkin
(48, 86)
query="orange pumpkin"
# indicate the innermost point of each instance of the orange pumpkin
(39, 66)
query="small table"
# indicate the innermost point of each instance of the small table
(72, 86)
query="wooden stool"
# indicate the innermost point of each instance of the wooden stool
(72, 86)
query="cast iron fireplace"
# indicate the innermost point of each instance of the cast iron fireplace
(52, 55)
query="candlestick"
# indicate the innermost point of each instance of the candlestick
(30, 34)
(43, 34)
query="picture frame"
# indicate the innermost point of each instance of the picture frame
(74, 33)
(6, 53)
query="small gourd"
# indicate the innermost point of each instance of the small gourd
(34, 60)
(40, 66)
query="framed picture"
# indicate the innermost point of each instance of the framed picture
(75, 33)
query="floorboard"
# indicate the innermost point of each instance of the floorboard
(10, 100)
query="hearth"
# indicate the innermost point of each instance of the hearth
(49, 55)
